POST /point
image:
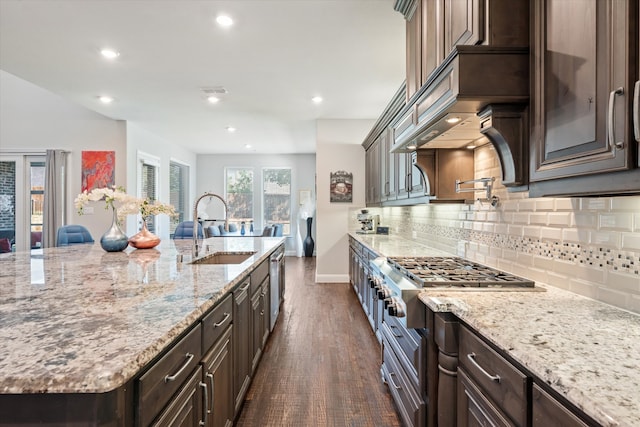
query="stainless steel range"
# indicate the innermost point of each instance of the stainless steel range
(399, 280)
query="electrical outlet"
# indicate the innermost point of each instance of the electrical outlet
(88, 210)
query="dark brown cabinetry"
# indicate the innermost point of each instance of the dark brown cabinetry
(157, 385)
(504, 385)
(584, 69)
(217, 363)
(548, 412)
(241, 343)
(372, 176)
(187, 408)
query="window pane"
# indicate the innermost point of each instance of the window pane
(277, 198)
(148, 190)
(178, 193)
(239, 185)
(37, 202)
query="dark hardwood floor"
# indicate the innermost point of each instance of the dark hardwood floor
(321, 365)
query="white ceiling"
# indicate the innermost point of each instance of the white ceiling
(272, 61)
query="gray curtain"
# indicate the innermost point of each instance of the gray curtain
(55, 198)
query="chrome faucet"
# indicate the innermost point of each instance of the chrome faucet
(195, 219)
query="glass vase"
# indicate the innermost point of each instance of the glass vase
(114, 240)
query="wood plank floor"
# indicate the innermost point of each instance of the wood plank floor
(321, 365)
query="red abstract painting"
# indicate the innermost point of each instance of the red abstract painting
(98, 169)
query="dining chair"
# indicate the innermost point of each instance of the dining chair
(184, 230)
(73, 235)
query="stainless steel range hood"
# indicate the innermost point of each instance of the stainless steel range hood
(478, 94)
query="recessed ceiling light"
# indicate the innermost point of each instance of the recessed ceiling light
(230, 129)
(453, 120)
(471, 147)
(109, 53)
(213, 99)
(317, 99)
(411, 147)
(224, 20)
(105, 99)
(248, 146)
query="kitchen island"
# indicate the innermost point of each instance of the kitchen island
(583, 351)
(81, 321)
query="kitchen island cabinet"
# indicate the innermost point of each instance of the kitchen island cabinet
(90, 337)
(580, 352)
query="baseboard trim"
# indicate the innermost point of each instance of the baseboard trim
(332, 278)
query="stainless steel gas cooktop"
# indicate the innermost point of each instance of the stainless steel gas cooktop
(453, 271)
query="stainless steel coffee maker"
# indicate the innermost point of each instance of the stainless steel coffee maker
(368, 222)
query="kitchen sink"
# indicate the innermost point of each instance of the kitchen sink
(223, 258)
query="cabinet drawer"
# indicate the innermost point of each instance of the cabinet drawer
(495, 376)
(187, 407)
(258, 275)
(548, 412)
(405, 342)
(216, 322)
(165, 377)
(410, 406)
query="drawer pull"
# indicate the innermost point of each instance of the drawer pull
(392, 374)
(472, 358)
(210, 377)
(205, 410)
(220, 323)
(169, 378)
(244, 288)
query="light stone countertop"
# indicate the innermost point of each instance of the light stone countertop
(586, 350)
(82, 320)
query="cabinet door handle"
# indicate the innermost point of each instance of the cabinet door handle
(611, 109)
(220, 323)
(636, 110)
(169, 378)
(205, 410)
(472, 358)
(210, 377)
(393, 383)
(245, 287)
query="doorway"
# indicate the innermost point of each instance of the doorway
(21, 202)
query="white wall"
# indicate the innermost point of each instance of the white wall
(338, 148)
(34, 119)
(140, 140)
(210, 178)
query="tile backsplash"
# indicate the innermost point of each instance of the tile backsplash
(590, 246)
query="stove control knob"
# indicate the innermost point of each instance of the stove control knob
(375, 282)
(396, 309)
(384, 293)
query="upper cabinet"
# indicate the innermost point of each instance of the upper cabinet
(585, 64)
(435, 28)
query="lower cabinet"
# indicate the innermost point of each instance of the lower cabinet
(218, 377)
(241, 344)
(157, 386)
(474, 409)
(549, 412)
(187, 407)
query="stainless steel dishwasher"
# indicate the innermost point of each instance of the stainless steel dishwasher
(276, 274)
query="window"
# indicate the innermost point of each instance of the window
(277, 198)
(178, 191)
(148, 183)
(239, 193)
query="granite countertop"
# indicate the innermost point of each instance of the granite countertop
(586, 350)
(82, 320)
